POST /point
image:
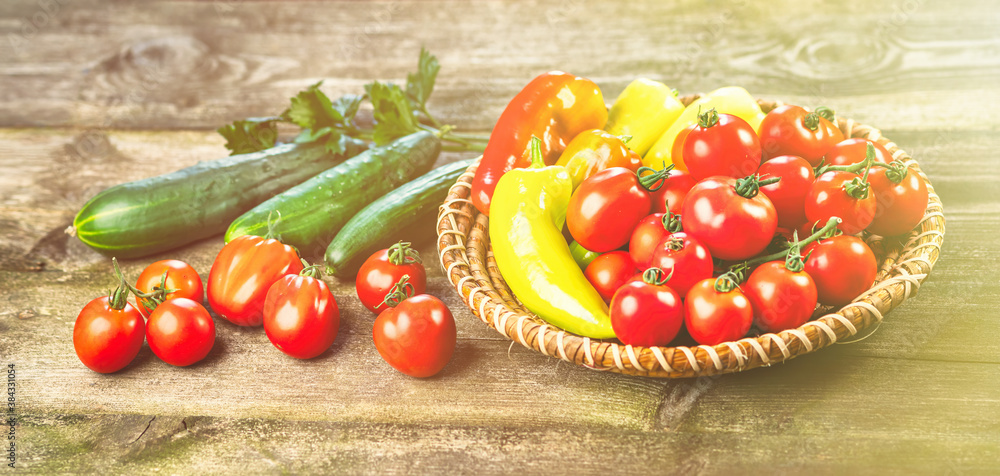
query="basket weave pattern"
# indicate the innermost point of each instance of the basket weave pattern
(466, 257)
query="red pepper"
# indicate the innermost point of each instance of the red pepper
(555, 107)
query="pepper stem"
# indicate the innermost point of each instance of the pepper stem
(399, 292)
(402, 253)
(537, 161)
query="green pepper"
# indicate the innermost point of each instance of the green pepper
(582, 255)
(644, 110)
(526, 218)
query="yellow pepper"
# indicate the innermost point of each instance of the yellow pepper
(730, 100)
(644, 110)
(527, 214)
(595, 150)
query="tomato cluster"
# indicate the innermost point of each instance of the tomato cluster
(414, 332)
(257, 281)
(761, 227)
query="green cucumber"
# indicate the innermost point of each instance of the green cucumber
(308, 215)
(156, 214)
(406, 214)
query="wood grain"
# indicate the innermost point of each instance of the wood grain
(168, 65)
(97, 93)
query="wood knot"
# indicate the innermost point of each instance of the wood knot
(832, 56)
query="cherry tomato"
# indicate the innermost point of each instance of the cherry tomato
(647, 234)
(606, 208)
(714, 317)
(646, 314)
(181, 277)
(721, 144)
(673, 190)
(854, 151)
(180, 332)
(829, 197)
(899, 206)
(417, 337)
(677, 148)
(243, 272)
(842, 267)
(383, 269)
(788, 194)
(781, 299)
(301, 317)
(791, 130)
(609, 271)
(731, 226)
(107, 339)
(685, 259)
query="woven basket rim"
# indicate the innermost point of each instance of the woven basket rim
(466, 258)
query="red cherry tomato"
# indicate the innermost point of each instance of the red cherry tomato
(647, 234)
(673, 190)
(685, 259)
(180, 332)
(899, 206)
(383, 269)
(243, 272)
(181, 277)
(854, 151)
(788, 195)
(646, 314)
(605, 209)
(829, 197)
(787, 130)
(301, 317)
(609, 272)
(842, 267)
(107, 339)
(721, 144)
(781, 299)
(677, 148)
(714, 317)
(417, 337)
(731, 226)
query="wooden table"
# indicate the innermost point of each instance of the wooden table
(97, 93)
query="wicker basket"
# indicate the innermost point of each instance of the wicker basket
(466, 257)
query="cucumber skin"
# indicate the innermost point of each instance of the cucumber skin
(403, 214)
(155, 214)
(308, 215)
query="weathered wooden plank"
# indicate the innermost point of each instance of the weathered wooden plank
(201, 64)
(819, 416)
